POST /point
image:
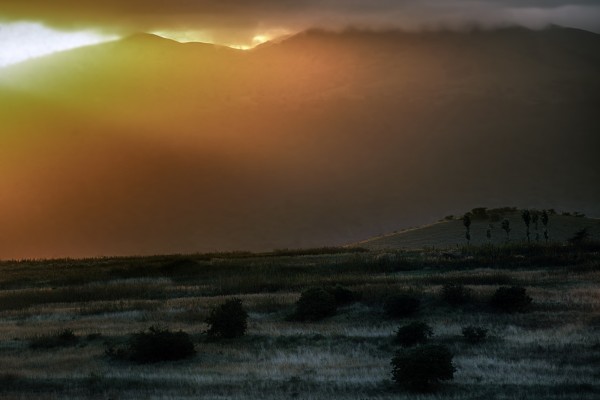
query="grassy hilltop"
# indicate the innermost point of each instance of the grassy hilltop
(60, 321)
(450, 232)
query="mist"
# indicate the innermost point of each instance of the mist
(148, 146)
(238, 22)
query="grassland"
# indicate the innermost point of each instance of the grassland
(552, 351)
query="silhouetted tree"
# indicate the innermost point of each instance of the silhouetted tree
(506, 228)
(488, 232)
(467, 224)
(479, 213)
(545, 223)
(526, 215)
(535, 217)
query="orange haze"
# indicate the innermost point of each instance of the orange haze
(148, 146)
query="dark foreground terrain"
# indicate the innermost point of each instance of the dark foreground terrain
(551, 350)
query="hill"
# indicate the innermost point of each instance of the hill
(451, 233)
(146, 145)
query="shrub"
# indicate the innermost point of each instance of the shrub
(158, 344)
(413, 334)
(314, 304)
(456, 294)
(422, 368)
(579, 237)
(60, 339)
(474, 334)
(510, 299)
(401, 305)
(229, 320)
(343, 295)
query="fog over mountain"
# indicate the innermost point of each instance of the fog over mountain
(146, 145)
(239, 20)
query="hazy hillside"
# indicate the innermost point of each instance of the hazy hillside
(149, 146)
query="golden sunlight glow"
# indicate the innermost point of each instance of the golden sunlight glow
(260, 39)
(239, 46)
(21, 41)
(185, 36)
(204, 36)
(190, 36)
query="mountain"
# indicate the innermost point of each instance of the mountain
(146, 145)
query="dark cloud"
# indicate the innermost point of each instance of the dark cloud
(244, 16)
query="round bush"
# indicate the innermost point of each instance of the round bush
(343, 295)
(315, 304)
(63, 338)
(228, 321)
(401, 305)
(413, 334)
(156, 345)
(474, 334)
(456, 294)
(510, 299)
(422, 368)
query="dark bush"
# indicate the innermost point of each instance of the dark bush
(401, 305)
(342, 295)
(228, 321)
(158, 344)
(456, 294)
(581, 236)
(510, 299)
(474, 334)
(413, 334)
(60, 339)
(422, 368)
(314, 304)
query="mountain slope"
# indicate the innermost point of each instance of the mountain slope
(147, 145)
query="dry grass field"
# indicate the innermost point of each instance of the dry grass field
(550, 351)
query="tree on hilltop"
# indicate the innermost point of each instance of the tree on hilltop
(506, 228)
(535, 217)
(545, 223)
(526, 215)
(467, 224)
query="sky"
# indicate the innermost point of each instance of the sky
(243, 23)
